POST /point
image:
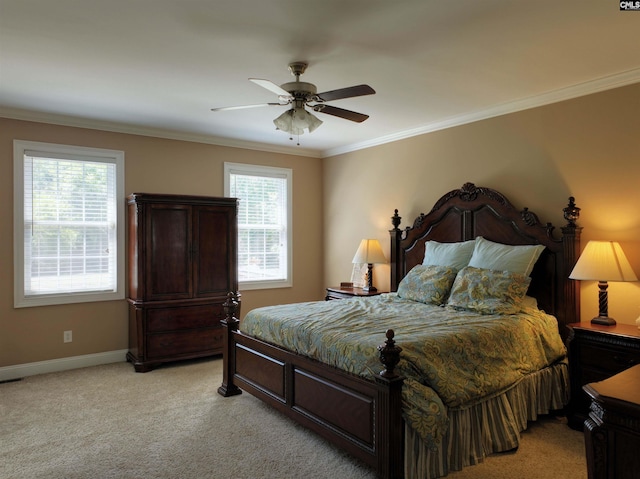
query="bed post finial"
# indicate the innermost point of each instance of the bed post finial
(230, 306)
(571, 212)
(389, 355)
(396, 220)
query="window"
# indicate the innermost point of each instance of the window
(264, 223)
(68, 224)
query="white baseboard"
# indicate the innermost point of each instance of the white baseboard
(63, 364)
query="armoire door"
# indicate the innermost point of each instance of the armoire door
(169, 252)
(214, 250)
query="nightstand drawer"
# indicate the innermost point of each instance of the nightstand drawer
(609, 359)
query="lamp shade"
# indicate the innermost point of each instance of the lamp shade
(603, 261)
(295, 120)
(369, 252)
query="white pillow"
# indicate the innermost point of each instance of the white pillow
(502, 257)
(456, 255)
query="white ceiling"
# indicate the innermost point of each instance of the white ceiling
(157, 67)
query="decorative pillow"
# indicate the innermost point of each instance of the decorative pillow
(448, 254)
(502, 257)
(427, 284)
(488, 291)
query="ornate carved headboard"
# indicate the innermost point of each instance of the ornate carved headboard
(473, 211)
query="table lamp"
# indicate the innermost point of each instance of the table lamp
(369, 252)
(603, 261)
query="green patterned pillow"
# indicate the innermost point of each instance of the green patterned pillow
(488, 291)
(427, 284)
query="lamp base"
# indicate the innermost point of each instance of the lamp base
(369, 288)
(604, 321)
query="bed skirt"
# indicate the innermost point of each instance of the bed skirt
(492, 426)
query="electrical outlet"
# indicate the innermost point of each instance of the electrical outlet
(68, 336)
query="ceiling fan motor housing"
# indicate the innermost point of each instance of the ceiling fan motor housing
(300, 89)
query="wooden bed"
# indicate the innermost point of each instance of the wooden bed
(364, 417)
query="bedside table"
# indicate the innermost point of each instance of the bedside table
(344, 293)
(597, 353)
(612, 432)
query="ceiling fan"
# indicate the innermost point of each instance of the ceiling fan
(302, 94)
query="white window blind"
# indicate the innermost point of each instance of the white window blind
(263, 224)
(70, 227)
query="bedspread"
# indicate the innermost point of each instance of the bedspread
(450, 358)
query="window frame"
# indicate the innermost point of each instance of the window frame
(270, 172)
(115, 157)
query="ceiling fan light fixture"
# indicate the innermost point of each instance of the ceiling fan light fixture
(303, 116)
(285, 123)
(295, 120)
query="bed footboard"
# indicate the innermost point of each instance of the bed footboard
(361, 417)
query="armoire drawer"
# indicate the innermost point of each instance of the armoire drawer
(162, 345)
(185, 317)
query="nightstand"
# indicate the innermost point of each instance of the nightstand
(597, 353)
(612, 432)
(344, 293)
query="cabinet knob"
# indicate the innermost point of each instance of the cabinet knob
(624, 360)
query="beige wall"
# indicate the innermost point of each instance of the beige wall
(152, 165)
(588, 148)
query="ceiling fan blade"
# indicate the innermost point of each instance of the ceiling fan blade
(269, 85)
(242, 107)
(350, 92)
(341, 112)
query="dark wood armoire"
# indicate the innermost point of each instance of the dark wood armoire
(182, 264)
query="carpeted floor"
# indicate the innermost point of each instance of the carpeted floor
(110, 422)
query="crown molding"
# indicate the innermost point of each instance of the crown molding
(582, 89)
(79, 122)
(574, 91)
